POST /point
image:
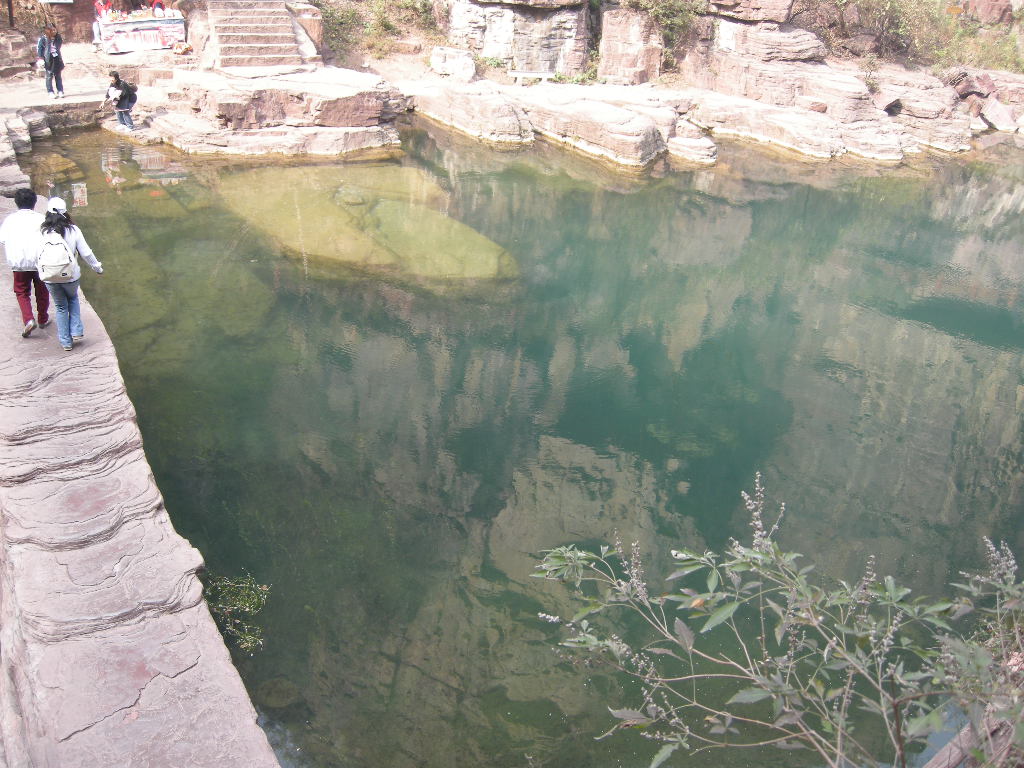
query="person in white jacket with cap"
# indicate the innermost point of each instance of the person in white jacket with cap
(20, 236)
(65, 295)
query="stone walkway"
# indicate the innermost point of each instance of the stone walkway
(113, 655)
(85, 77)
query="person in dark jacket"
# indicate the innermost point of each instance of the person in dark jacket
(48, 51)
(122, 96)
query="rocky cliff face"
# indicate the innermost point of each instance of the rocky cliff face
(784, 67)
(631, 47)
(752, 78)
(752, 51)
(533, 35)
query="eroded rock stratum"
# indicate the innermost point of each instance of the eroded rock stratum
(109, 655)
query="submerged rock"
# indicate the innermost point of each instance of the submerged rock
(430, 244)
(278, 693)
(378, 217)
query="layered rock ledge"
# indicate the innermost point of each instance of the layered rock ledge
(759, 81)
(320, 112)
(816, 109)
(109, 654)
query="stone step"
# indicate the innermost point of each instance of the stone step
(248, 11)
(277, 13)
(263, 17)
(220, 5)
(260, 61)
(260, 29)
(252, 25)
(271, 70)
(217, 13)
(258, 50)
(253, 33)
(245, 13)
(254, 29)
(254, 38)
(278, 10)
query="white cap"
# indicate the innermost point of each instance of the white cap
(56, 205)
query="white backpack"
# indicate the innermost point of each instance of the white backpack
(54, 259)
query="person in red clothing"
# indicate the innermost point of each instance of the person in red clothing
(103, 9)
(19, 234)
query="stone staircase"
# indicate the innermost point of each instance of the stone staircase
(16, 53)
(253, 33)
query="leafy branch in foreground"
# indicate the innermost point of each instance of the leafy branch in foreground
(233, 603)
(857, 673)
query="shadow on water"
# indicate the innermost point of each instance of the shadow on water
(982, 324)
(385, 386)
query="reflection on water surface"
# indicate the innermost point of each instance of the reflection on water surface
(383, 387)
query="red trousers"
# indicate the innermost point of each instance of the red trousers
(23, 283)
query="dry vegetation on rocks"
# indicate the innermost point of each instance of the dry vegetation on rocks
(938, 33)
(375, 27)
(924, 32)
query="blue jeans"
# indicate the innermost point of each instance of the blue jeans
(69, 313)
(50, 78)
(124, 117)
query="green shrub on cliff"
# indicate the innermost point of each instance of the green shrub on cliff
(746, 649)
(673, 17)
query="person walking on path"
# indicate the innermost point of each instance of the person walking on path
(122, 95)
(65, 294)
(20, 235)
(48, 50)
